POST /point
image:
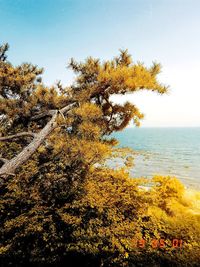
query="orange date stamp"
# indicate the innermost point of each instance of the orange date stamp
(158, 243)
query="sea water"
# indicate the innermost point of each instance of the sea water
(164, 151)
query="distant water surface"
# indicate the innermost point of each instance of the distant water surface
(165, 151)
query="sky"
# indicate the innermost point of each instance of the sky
(49, 32)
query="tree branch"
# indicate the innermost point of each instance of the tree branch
(48, 113)
(18, 135)
(3, 160)
(11, 166)
(69, 107)
(51, 112)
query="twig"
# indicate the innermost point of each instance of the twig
(6, 138)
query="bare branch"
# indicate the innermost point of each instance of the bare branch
(68, 107)
(3, 160)
(62, 115)
(48, 113)
(11, 166)
(7, 173)
(18, 135)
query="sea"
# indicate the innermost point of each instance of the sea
(163, 151)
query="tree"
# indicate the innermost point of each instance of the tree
(26, 103)
(58, 201)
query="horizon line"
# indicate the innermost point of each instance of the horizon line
(163, 127)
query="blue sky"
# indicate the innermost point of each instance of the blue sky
(50, 32)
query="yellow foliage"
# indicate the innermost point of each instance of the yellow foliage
(89, 131)
(63, 201)
(88, 111)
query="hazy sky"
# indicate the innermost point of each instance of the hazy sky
(50, 32)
